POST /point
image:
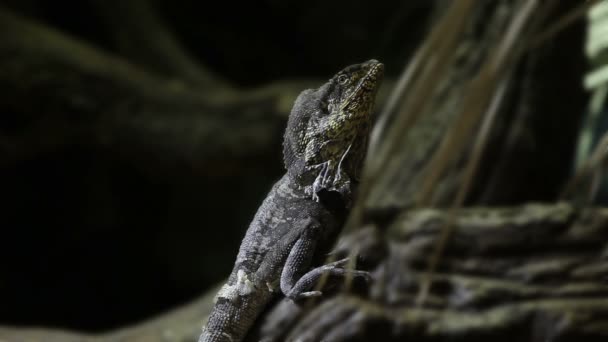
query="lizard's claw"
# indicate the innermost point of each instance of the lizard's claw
(337, 267)
(331, 178)
(321, 181)
(308, 294)
(338, 263)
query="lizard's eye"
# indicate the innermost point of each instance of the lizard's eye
(342, 79)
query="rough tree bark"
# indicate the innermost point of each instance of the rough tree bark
(530, 273)
(536, 272)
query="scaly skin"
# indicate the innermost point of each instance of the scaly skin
(324, 147)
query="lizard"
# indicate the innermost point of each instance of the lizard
(324, 146)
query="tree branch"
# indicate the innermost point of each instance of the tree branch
(85, 96)
(534, 272)
(178, 325)
(141, 34)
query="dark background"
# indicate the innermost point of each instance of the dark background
(92, 240)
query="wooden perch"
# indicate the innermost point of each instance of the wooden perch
(535, 272)
(531, 273)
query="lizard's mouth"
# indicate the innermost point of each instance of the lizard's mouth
(367, 86)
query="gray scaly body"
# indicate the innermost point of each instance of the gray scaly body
(324, 148)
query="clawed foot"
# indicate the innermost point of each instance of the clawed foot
(330, 178)
(339, 265)
(309, 294)
(322, 180)
(335, 268)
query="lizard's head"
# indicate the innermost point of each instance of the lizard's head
(326, 136)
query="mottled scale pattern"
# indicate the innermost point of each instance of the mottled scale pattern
(324, 146)
(238, 302)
